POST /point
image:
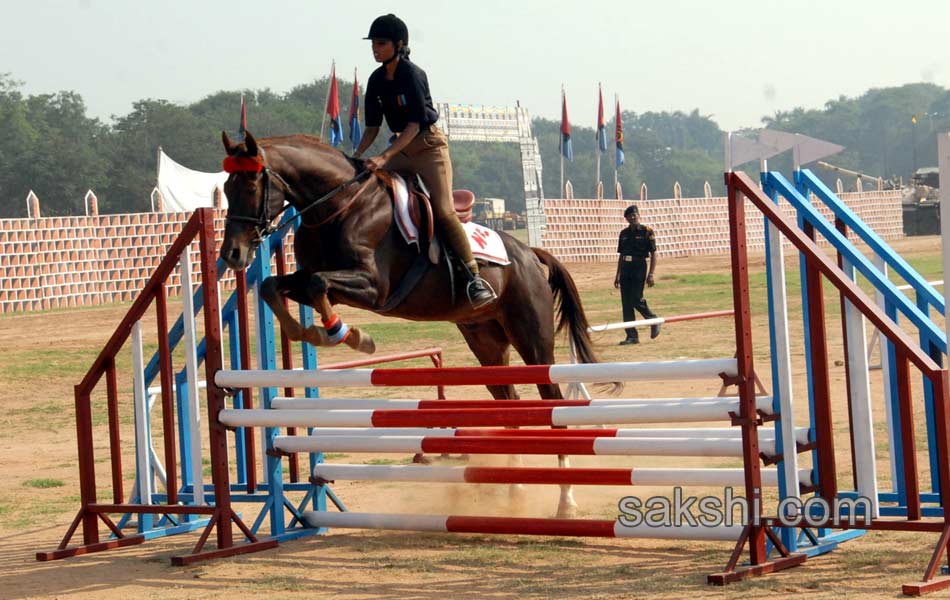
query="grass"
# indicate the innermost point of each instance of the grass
(44, 483)
(52, 363)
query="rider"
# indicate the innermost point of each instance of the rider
(399, 91)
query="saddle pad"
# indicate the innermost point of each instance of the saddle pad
(409, 231)
(486, 244)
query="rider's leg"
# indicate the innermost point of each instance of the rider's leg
(428, 156)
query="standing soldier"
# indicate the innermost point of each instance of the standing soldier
(637, 242)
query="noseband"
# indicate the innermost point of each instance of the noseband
(262, 223)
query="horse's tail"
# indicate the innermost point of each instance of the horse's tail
(567, 301)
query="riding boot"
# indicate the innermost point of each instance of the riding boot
(478, 291)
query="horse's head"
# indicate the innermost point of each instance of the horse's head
(251, 203)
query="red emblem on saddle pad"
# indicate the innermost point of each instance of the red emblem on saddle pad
(480, 237)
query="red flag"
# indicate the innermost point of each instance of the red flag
(333, 110)
(566, 148)
(619, 158)
(601, 123)
(356, 132)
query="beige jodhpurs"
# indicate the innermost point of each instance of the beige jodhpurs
(428, 156)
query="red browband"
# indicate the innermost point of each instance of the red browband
(243, 164)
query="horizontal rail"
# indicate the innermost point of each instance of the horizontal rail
(543, 475)
(714, 410)
(518, 526)
(700, 447)
(660, 321)
(292, 403)
(531, 374)
(801, 433)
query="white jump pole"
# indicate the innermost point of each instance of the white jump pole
(702, 447)
(511, 525)
(783, 386)
(565, 416)
(583, 373)
(140, 400)
(636, 476)
(282, 403)
(191, 375)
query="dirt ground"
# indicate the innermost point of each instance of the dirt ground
(47, 353)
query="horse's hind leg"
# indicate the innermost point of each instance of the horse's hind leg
(531, 332)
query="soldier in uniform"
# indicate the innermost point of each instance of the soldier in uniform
(637, 243)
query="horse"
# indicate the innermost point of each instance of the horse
(349, 251)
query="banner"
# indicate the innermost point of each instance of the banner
(184, 189)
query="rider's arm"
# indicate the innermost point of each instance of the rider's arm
(369, 136)
(405, 138)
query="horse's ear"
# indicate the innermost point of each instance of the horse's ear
(229, 146)
(250, 143)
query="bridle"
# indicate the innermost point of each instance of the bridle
(263, 222)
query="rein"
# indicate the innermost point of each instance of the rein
(263, 222)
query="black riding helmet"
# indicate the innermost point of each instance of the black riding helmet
(389, 27)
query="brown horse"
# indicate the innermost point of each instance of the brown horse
(349, 251)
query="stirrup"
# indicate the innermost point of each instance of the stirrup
(486, 295)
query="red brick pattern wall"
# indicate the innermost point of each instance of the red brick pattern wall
(59, 262)
(587, 230)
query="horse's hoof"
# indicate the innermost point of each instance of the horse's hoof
(360, 341)
(567, 512)
(421, 459)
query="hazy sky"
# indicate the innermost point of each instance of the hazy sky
(736, 60)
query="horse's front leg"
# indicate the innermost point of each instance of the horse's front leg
(311, 289)
(273, 289)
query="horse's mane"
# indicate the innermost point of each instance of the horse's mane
(303, 141)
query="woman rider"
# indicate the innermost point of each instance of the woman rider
(399, 91)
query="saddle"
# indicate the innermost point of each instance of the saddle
(419, 205)
(412, 216)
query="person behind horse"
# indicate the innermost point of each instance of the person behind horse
(636, 243)
(399, 91)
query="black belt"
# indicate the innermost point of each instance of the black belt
(629, 258)
(422, 129)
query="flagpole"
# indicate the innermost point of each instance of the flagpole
(600, 97)
(356, 90)
(326, 104)
(616, 105)
(560, 145)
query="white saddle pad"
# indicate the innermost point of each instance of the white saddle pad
(486, 244)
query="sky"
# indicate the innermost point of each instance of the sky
(734, 60)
